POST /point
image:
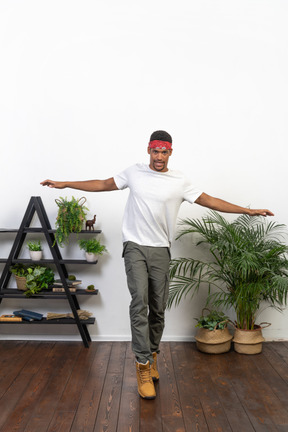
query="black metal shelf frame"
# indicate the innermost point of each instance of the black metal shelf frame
(36, 205)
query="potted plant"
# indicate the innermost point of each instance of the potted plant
(93, 248)
(70, 218)
(246, 269)
(20, 273)
(35, 250)
(36, 278)
(213, 336)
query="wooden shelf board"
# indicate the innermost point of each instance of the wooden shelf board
(52, 321)
(15, 293)
(40, 230)
(48, 261)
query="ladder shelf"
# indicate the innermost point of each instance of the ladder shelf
(36, 206)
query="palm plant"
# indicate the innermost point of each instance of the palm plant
(247, 266)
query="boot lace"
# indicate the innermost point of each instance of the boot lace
(145, 375)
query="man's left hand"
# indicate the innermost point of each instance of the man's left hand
(260, 212)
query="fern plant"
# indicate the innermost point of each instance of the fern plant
(70, 218)
(92, 246)
(246, 269)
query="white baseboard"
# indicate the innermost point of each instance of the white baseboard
(76, 338)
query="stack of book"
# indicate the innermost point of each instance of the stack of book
(27, 315)
(72, 285)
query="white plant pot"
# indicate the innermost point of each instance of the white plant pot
(90, 257)
(35, 255)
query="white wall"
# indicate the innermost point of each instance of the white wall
(83, 85)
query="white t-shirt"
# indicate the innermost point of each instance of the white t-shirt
(153, 203)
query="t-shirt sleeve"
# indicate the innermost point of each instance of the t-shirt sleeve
(191, 192)
(121, 179)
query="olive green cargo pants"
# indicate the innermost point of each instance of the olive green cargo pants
(147, 270)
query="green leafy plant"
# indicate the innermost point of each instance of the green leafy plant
(19, 270)
(70, 218)
(34, 245)
(246, 268)
(213, 321)
(92, 246)
(90, 288)
(37, 277)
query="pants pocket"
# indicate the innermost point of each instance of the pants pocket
(125, 244)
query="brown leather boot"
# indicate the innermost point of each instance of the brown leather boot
(154, 370)
(146, 387)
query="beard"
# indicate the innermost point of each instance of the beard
(159, 166)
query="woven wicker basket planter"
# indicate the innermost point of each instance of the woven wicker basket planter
(213, 341)
(21, 283)
(249, 341)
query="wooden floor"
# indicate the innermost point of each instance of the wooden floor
(64, 387)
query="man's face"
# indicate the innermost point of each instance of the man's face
(159, 159)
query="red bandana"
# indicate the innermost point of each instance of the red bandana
(162, 145)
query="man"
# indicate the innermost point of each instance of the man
(156, 194)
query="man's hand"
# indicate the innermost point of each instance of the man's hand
(259, 212)
(217, 204)
(86, 185)
(53, 184)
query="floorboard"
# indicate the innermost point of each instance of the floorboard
(64, 387)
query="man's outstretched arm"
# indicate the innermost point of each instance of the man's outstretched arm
(226, 207)
(86, 185)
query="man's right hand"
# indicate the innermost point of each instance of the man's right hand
(86, 185)
(53, 184)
